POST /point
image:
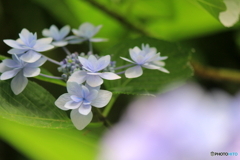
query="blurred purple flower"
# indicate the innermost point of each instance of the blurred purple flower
(80, 99)
(86, 31)
(92, 76)
(147, 58)
(59, 36)
(28, 46)
(20, 70)
(184, 124)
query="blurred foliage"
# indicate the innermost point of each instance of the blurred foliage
(194, 22)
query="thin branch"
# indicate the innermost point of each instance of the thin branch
(118, 17)
(52, 77)
(216, 74)
(66, 50)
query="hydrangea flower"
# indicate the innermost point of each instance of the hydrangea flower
(28, 46)
(92, 76)
(86, 31)
(186, 123)
(20, 70)
(147, 58)
(80, 99)
(57, 35)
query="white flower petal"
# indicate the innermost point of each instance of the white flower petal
(17, 51)
(78, 76)
(134, 72)
(64, 31)
(13, 44)
(98, 39)
(38, 63)
(4, 68)
(103, 62)
(86, 63)
(62, 100)
(74, 89)
(92, 60)
(43, 47)
(163, 70)
(102, 99)
(60, 43)
(94, 81)
(31, 72)
(44, 41)
(54, 32)
(109, 76)
(150, 66)
(9, 74)
(92, 95)
(127, 60)
(31, 56)
(80, 121)
(10, 63)
(85, 109)
(46, 33)
(72, 105)
(18, 83)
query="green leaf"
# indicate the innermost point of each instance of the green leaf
(33, 107)
(52, 144)
(214, 7)
(3, 57)
(151, 80)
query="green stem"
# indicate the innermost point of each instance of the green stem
(109, 106)
(105, 120)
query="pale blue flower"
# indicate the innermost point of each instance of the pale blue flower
(184, 124)
(80, 99)
(28, 46)
(92, 76)
(59, 36)
(147, 58)
(20, 70)
(85, 32)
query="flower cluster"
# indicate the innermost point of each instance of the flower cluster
(83, 73)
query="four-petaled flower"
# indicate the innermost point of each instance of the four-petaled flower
(85, 32)
(147, 58)
(19, 70)
(92, 76)
(28, 46)
(80, 99)
(57, 35)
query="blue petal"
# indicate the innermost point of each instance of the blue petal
(18, 83)
(31, 56)
(31, 72)
(102, 63)
(102, 99)
(85, 109)
(74, 89)
(80, 121)
(134, 72)
(72, 105)
(94, 81)
(78, 77)
(109, 76)
(62, 100)
(9, 74)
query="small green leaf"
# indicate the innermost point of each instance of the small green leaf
(214, 7)
(3, 57)
(151, 80)
(33, 107)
